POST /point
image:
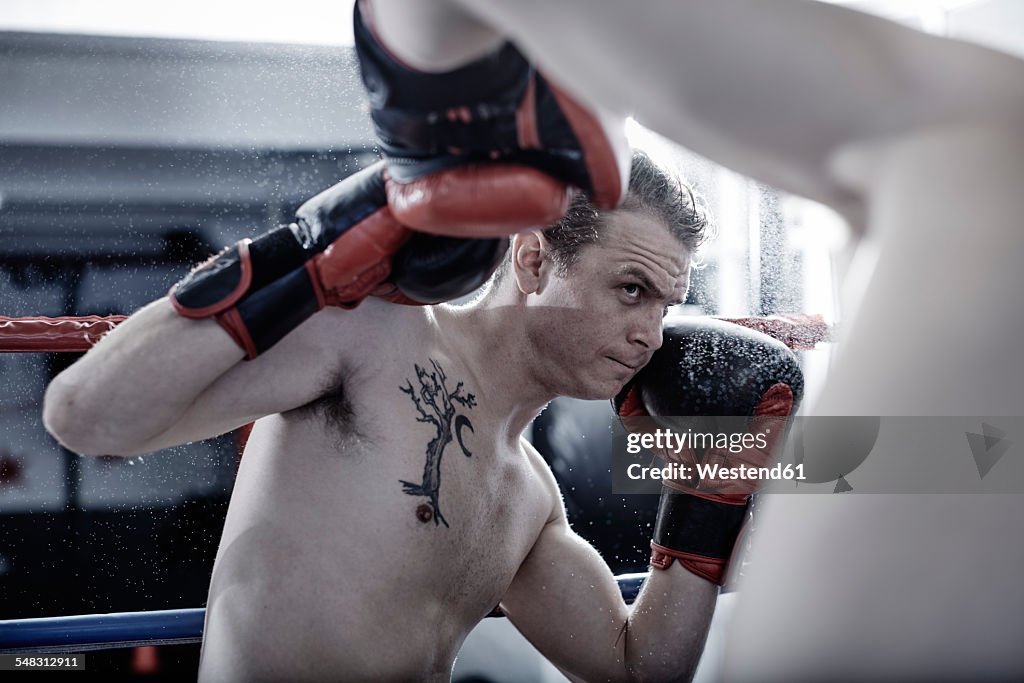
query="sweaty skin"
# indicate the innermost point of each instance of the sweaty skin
(386, 501)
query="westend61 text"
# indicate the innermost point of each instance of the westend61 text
(716, 472)
(667, 439)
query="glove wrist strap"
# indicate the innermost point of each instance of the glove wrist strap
(266, 315)
(258, 290)
(698, 531)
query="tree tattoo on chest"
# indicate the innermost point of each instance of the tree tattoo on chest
(439, 407)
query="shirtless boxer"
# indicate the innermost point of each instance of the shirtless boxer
(346, 554)
(919, 141)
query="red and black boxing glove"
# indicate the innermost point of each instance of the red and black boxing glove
(493, 144)
(344, 245)
(711, 378)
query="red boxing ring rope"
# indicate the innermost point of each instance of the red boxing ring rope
(67, 333)
(798, 331)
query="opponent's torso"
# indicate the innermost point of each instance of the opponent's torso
(370, 531)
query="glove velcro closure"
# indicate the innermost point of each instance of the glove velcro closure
(270, 313)
(224, 279)
(694, 528)
(234, 288)
(336, 253)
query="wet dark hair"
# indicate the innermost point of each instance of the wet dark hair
(652, 190)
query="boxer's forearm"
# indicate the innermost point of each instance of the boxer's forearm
(137, 381)
(668, 625)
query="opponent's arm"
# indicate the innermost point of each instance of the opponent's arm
(775, 90)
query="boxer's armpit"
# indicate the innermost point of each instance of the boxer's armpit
(443, 407)
(332, 407)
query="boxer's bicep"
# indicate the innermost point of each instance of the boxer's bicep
(565, 601)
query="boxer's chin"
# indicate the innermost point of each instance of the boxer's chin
(599, 391)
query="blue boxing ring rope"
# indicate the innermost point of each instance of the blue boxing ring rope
(87, 632)
(101, 631)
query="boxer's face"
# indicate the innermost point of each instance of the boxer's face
(600, 322)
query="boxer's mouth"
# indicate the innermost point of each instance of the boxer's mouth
(634, 366)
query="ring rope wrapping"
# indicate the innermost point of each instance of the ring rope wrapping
(66, 333)
(798, 331)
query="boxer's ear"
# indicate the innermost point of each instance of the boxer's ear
(530, 257)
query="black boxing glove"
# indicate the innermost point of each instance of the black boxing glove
(431, 269)
(493, 144)
(339, 250)
(734, 383)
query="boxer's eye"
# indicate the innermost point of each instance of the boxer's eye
(632, 290)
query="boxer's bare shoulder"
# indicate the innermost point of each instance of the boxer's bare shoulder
(546, 482)
(354, 346)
